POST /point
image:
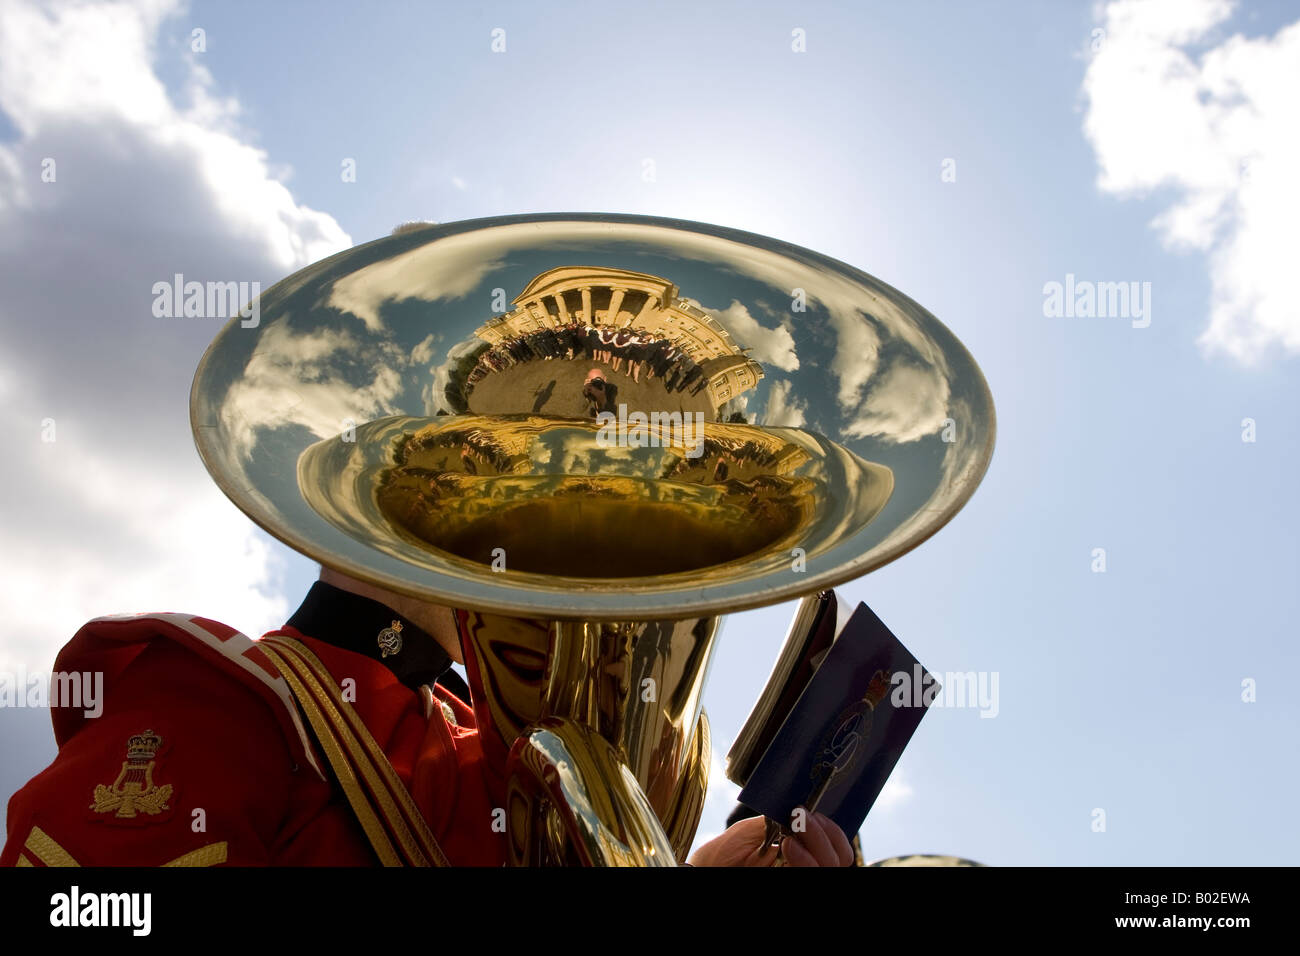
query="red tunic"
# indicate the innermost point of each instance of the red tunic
(200, 758)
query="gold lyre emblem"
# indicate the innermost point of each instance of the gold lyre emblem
(134, 791)
(390, 639)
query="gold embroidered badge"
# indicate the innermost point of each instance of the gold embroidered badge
(390, 639)
(134, 792)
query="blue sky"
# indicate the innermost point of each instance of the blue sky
(1118, 690)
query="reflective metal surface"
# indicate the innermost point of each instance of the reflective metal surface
(636, 686)
(571, 802)
(925, 859)
(592, 434)
(821, 422)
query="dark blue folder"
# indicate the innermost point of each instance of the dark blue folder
(846, 731)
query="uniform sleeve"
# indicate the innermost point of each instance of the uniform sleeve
(185, 767)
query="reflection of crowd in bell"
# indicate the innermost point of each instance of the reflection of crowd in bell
(642, 352)
(726, 454)
(475, 456)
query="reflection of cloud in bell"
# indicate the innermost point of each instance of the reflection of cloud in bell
(290, 380)
(435, 393)
(907, 402)
(858, 337)
(855, 359)
(769, 346)
(782, 410)
(862, 320)
(577, 457)
(859, 333)
(958, 468)
(739, 404)
(423, 353)
(449, 268)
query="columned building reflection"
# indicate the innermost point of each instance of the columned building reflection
(610, 300)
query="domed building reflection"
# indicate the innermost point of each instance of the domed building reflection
(584, 339)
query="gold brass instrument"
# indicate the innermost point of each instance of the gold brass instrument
(591, 435)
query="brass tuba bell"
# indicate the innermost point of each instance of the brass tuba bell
(593, 434)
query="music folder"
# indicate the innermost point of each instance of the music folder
(840, 707)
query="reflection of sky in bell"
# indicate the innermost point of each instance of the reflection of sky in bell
(1118, 691)
(350, 332)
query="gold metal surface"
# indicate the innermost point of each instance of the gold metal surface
(925, 859)
(637, 686)
(504, 494)
(591, 435)
(572, 801)
(421, 326)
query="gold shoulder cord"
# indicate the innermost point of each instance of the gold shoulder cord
(392, 822)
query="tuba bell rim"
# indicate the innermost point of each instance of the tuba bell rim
(681, 603)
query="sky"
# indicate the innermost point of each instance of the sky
(1128, 567)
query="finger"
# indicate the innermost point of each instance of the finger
(752, 831)
(795, 854)
(839, 840)
(750, 826)
(817, 842)
(763, 856)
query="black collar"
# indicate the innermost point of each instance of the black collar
(355, 623)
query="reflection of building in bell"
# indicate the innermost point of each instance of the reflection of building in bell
(676, 341)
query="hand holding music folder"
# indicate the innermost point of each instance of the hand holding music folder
(833, 720)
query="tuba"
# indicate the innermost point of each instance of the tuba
(592, 435)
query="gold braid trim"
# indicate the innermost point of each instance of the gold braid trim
(396, 790)
(334, 751)
(209, 855)
(405, 821)
(42, 846)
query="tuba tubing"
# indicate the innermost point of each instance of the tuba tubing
(570, 799)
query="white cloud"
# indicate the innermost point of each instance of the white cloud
(89, 67)
(435, 393)
(106, 533)
(450, 268)
(423, 353)
(117, 514)
(1217, 126)
(906, 402)
(294, 379)
(783, 410)
(767, 346)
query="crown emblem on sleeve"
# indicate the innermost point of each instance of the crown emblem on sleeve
(143, 746)
(134, 794)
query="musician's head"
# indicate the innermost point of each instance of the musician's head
(437, 621)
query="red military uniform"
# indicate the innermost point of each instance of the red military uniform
(201, 757)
